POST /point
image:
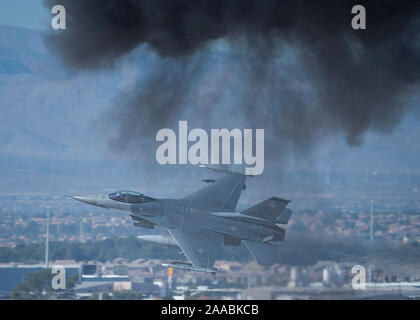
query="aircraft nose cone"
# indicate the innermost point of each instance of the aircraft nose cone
(88, 200)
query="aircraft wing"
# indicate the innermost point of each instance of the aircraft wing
(199, 246)
(221, 194)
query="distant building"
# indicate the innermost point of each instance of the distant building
(294, 277)
(326, 277)
(91, 284)
(12, 275)
(89, 269)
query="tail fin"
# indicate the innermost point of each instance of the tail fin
(273, 209)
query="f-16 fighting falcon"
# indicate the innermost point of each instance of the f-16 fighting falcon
(203, 221)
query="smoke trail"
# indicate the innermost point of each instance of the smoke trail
(295, 68)
(395, 258)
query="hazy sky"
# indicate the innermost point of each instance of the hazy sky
(398, 150)
(23, 13)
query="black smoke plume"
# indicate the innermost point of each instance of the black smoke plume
(295, 68)
(306, 249)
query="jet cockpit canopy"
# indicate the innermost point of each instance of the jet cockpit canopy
(128, 196)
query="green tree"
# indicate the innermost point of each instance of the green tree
(38, 286)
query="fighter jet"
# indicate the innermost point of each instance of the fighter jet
(200, 223)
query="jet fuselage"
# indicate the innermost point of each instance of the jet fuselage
(175, 213)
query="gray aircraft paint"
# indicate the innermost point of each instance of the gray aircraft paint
(202, 221)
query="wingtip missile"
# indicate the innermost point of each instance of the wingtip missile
(189, 267)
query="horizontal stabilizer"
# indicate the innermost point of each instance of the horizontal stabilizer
(273, 209)
(264, 253)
